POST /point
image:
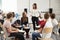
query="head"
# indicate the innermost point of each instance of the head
(24, 14)
(34, 6)
(17, 23)
(46, 16)
(52, 16)
(9, 16)
(25, 10)
(13, 14)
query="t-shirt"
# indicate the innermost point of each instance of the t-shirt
(54, 22)
(7, 25)
(35, 13)
(47, 31)
(42, 23)
(49, 24)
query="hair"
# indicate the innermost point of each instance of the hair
(23, 14)
(9, 15)
(46, 15)
(13, 14)
(35, 6)
(52, 15)
(17, 21)
(25, 10)
(24, 17)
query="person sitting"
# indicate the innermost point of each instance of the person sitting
(24, 21)
(17, 24)
(47, 31)
(55, 23)
(10, 30)
(35, 35)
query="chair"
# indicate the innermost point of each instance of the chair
(6, 35)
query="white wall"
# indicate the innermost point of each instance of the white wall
(21, 4)
(0, 4)
(42, 5)
(55, 4)
(9, 5)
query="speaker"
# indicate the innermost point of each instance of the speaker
(50, 10)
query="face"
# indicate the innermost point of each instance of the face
(11, 18)
(34, 7)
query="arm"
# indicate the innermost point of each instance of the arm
(21, 21)
(11, 30)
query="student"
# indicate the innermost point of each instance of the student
(42, 23)
(35, 15)
(10, 30)
(55, 23)
(14, 18)
(24, 21)
(17, 24)
(47, 30)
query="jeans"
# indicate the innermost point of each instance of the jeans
(35, 36)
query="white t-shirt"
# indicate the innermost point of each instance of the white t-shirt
(35, 13)
(54, 22)
(47, 25)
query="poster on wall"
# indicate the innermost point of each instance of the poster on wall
(0, 4)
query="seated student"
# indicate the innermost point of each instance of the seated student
(24, 21)
(10, 30)
(55, 23)
(42, 24)
(47, 31)
(16, 24)
(1, 21)
(14, 19)
(1, 18)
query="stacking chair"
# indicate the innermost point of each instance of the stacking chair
(6, 35)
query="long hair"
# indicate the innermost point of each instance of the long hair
(35, 6)
(24, 17)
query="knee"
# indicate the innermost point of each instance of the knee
(34, 34)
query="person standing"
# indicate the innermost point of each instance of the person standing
(35, 15)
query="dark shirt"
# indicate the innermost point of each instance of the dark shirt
(24, 22)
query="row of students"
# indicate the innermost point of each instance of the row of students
(11, 30)
(35, 14)
(46, 27)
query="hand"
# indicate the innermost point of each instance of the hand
(31, 15)
(17, 30)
